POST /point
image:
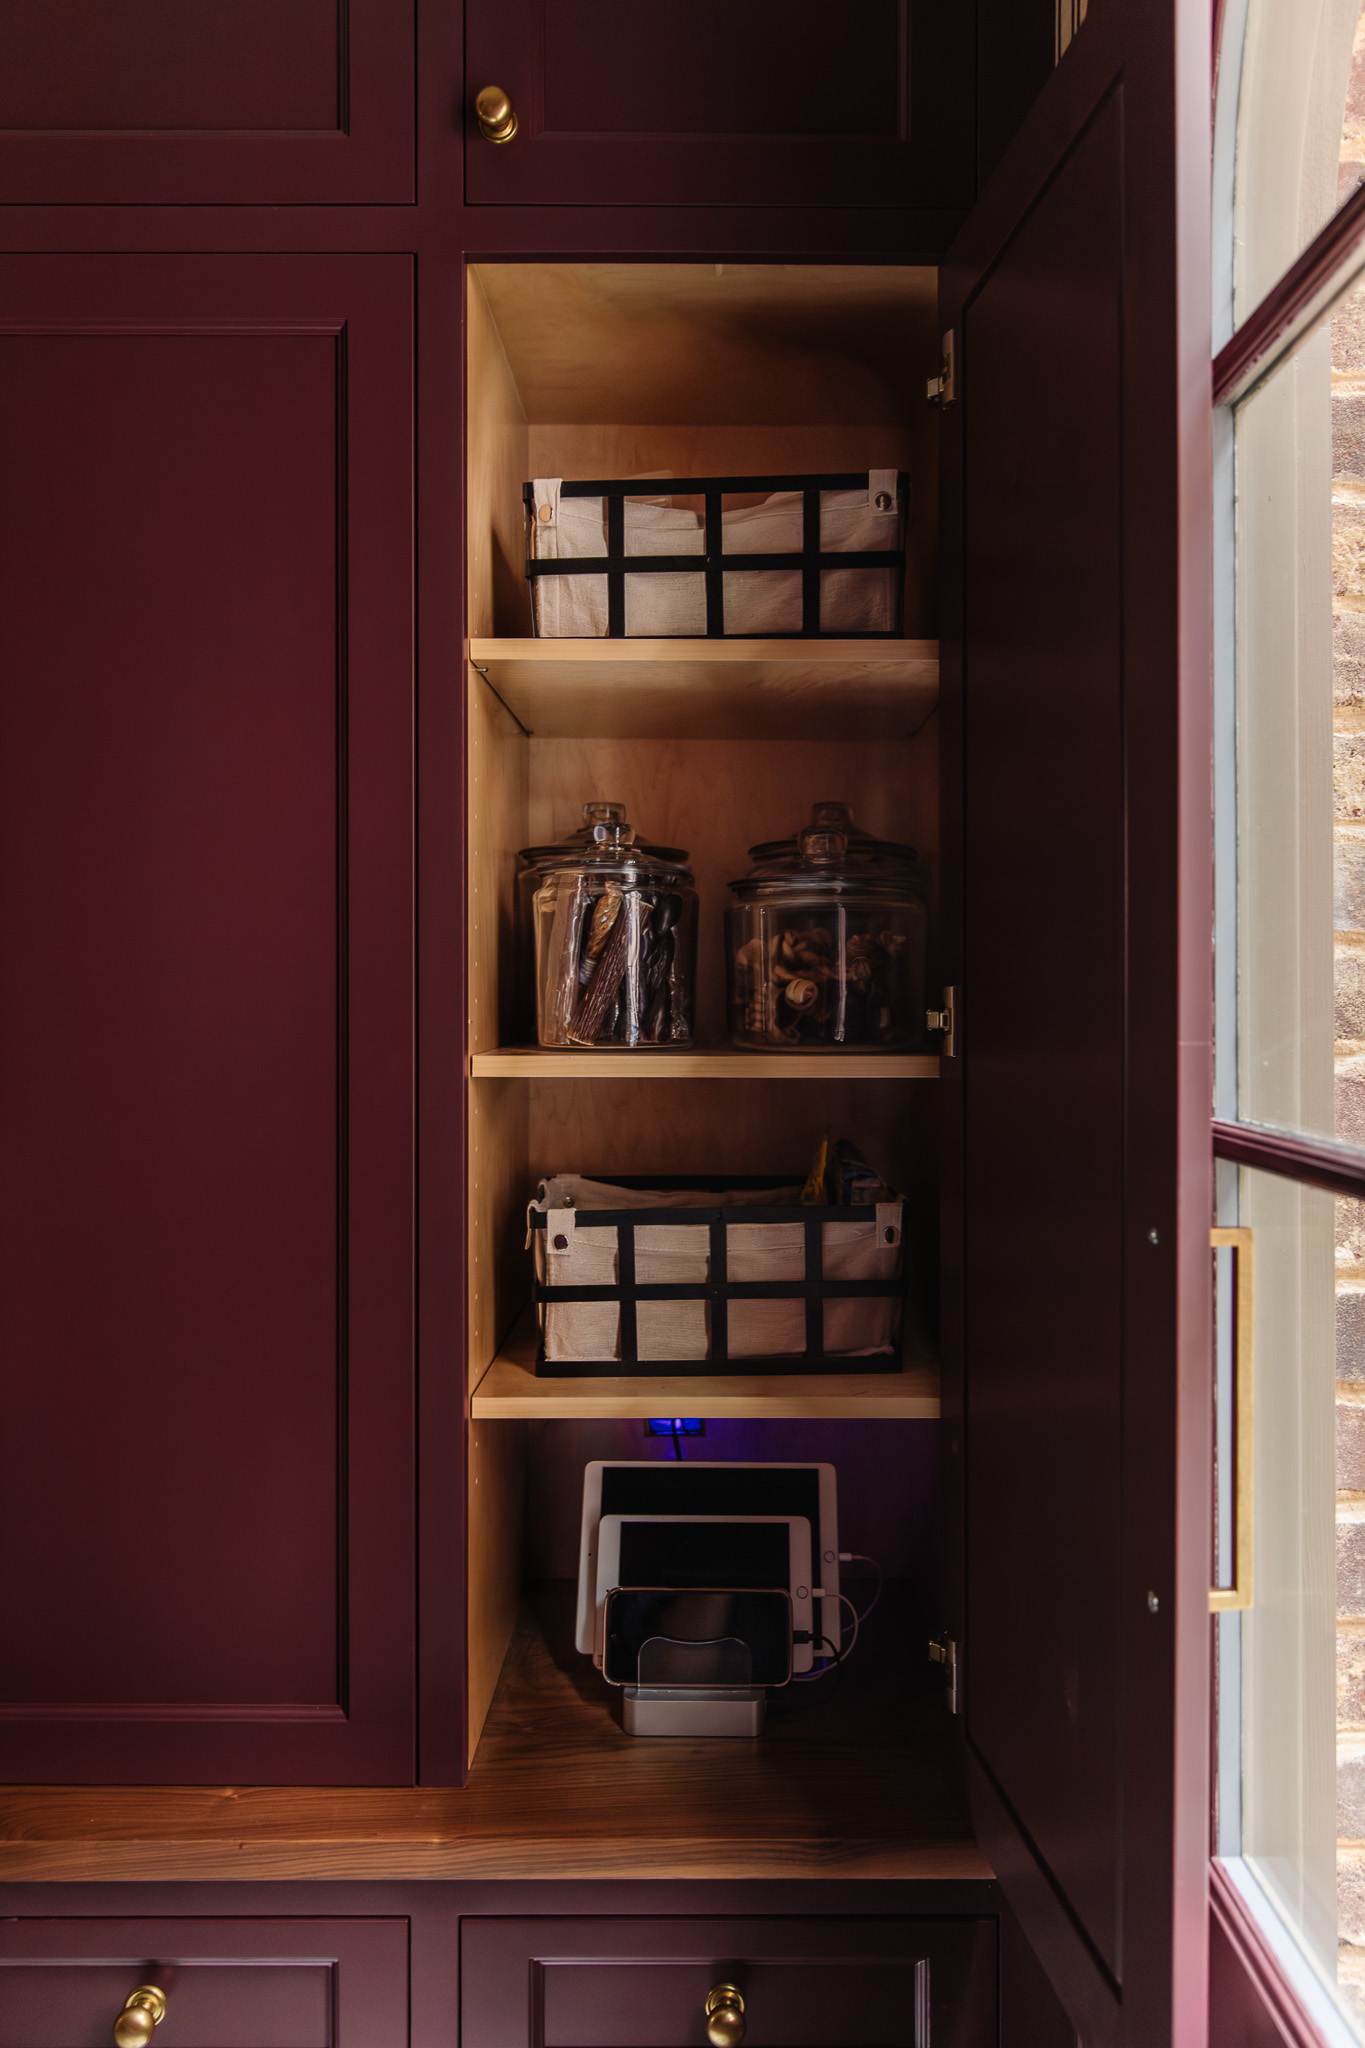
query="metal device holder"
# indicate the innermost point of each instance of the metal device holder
(695, 1688)
(693, 1710)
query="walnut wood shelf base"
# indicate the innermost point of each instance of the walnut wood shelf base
(511, 1388)
(525, 1063)
(713, 689)
(857, 1786)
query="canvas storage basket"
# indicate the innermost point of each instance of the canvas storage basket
(691, 1274)
(819, 555)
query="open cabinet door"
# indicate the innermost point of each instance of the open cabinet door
(1076, 457)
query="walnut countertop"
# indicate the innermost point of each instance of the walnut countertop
(858, 1786)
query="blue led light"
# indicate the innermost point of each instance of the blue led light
(679, 1425)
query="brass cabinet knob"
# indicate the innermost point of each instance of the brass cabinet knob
(496, 115)
(143, 2013)
(724, 2017)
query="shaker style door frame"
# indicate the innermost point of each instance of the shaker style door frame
(301, 104)
(1077, 705)
(208, 1509)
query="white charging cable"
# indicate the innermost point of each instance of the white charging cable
(843, 1650)
(861, 1557)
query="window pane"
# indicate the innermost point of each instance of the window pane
(1301, 1645)
(1300, 132)
(1300, 736)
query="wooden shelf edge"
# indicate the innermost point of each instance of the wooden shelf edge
(713, 689)
(485, 651)
(510, 1389)
(525, 1063)
(480, 1855)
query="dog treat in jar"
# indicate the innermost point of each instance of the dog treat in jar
(825, 943)
(615, 942)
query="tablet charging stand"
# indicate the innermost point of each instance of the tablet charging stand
(694, 1688)
(694, 1710)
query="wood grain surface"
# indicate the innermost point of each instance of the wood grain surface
(727, 344)
(510, 1387)
(858, 1785)
(717, 689)
(528, 1063)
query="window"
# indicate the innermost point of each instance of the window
(1289, 1107)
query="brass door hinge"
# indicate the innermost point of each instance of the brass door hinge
(943, 1650)
(942, 390)
(944, 1020)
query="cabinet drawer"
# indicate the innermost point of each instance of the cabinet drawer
(716, 105)
(805, 1983)
(253, 1983)
(142, 102)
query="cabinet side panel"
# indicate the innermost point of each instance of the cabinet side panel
(497, 465)
(1044, 892)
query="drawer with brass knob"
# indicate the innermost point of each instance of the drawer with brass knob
(198, 1982)
(684, 1983)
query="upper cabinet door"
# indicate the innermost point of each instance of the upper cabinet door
(1077, 687)
(773, 103)
(149, 102)
(206, 1070)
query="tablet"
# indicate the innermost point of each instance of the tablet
(696, 1552)
(649, 1486)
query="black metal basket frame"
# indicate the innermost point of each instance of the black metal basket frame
(719, 1291)
(713, 562)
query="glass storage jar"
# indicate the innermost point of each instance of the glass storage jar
(614, 930)
(825, 943)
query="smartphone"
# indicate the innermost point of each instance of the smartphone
(712, 1636)
(693, 1552)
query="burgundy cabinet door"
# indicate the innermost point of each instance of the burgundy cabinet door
(148, 101)
(251, 1983)
(1077, 705)
(775, 103)
(205, 1042)
(587, 1983)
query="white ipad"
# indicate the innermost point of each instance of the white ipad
(649, 1486)
(705, 1551)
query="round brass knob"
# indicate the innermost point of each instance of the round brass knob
(495, 114)
(143, 2013)
(724, 2016)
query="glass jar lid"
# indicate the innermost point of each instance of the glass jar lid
(612, 854)
(823, 861)
(833, 815)
(569, 851)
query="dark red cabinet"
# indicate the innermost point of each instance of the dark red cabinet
(871, 104)
(206, 1492)
(1076, 714)
(148, 102)
(257, 1983)
(588, 1983)
(206, 911)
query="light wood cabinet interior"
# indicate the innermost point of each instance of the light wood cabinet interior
(606, 370)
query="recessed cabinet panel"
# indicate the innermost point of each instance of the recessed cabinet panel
(255, 1983)
(1047, 1178)
(803, 1983)
(205, 773)
(869, 104)
(147, 101)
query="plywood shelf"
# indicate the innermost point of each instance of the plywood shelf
(713, 689)
(510, 1389)
(527, 1063)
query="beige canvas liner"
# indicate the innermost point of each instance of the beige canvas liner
(868, 1247)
